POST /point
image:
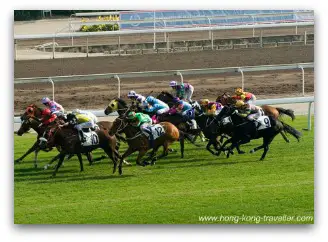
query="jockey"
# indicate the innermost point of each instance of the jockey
(53, 106)
(143, 121)
(141, 100)
(132, 95)
(211, 108)
(80, 121)
(184, 109)
(91, 115)
(247, 97)
(156, 105)
(183, 91)
(250, 111)
(47, 117)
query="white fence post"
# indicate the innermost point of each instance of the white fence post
(53, 47)
(53, 88)
(303, 81)
(309, 117)
(119, 85)
(305, 37)
(181, 76)
(242, 78)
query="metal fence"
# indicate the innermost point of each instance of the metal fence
(180, 73)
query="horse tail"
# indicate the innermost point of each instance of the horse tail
(289, 129)
(287, 112)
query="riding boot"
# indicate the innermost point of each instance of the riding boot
(81, 136)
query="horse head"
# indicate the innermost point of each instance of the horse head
(32, 111)
(225, 99)
(48, 138)
(116, 105)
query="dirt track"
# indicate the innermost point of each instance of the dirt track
(91, 94)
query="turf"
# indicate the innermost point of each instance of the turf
(199, 189)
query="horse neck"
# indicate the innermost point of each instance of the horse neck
(130, 131)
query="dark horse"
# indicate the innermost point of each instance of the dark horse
(31, 119)
(245, 130)
(69, 142)
(275, 112)
(138, 141)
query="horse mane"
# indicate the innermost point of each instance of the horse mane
(121, 101)
(167, 93)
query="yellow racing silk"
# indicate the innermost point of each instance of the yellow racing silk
(82, 118)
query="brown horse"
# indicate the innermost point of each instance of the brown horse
(275, 112)
(138, 141)
(31, 119)
(69, 142)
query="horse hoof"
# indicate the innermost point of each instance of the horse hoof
(53, 176)
(35, 166)
(17, 161)
(242, 152)
(252, 151)
(45, 167)
(218, 153)
(120, 171)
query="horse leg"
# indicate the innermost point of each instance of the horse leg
(181, 140)
(284, 136)
(208, 147)
(223, 146)
(52, 160)
(128, 152)
(61, 159)
(36, 158)
(90, 158)
(33, 148)
(266, 143)
(140, 155)
(79, 156)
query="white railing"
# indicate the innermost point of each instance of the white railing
(180, 73)
(149, 31)
(310, 100)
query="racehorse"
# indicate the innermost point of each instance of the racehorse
(68, 140)
(275, 112)
(245, 130)
(31, 119)
(212, 129)
(226, 99)
(138, 141)
(167, 98)
(120, 106)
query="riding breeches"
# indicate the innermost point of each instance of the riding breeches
(256, 115)
(85, 125)
(188, 93)
(163, 110)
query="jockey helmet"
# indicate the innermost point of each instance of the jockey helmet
(239, 91)
(46, 111)
(239, 104)
(140, 98)
(76, 111)
(173, 83)
(45, 100)
(131, 115)
(204, 102)
(132, 94)
(176, 99)
(180, 103)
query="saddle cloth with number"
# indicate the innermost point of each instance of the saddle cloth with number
(264, 122)
(91, 138)
(156, 130)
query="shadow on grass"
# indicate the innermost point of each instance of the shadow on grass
(77, 178)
